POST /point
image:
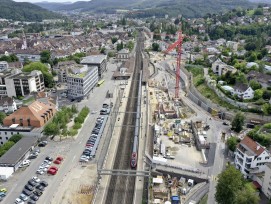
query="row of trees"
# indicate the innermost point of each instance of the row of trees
(58, 126)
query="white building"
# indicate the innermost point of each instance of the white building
(3, 66)
(80, 81)
(23, 83)
(266, 185)
(8, 105)
(251, 157)
(123, 55)
(96, 60)
(221, 68)
(243, 91)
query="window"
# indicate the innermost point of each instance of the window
(259, 158)
(6, 138)
(0, 138)
(266, 157)
(11, 133)
(5, 133)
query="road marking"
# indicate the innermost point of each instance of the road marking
(73, 158)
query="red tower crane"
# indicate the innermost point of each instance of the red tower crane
(177, 44)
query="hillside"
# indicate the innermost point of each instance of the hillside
(24, 11)
(51, 5)
(188, 8)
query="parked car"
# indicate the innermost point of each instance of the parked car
(34, 197)
(29, 187)
(32, 156)
(40, 187)
(49, 158)
(27, 192)
(44, 183)
(2, 194)
(31, 202)
(19, 201)
(23, 197)
(3, 190)
(36, 179)
(42, 143)
(38, 193)
(52, 171)
(40, 172)
(32, 183)
(59, 158)
(25, 163)
(57, 162)
(225, 123)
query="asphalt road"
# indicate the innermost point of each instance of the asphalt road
(70, 149)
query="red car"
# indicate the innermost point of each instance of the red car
(54, 168)
(57, 162)
(52, 171)
(59, 158)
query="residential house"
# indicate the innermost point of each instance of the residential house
(81, 80)
(37, 114)
(263, 79)
(22, 84)
(243, 91)
(232, 45)
(3, 66)
(266, 184)
(8, 105)
(123, 55)
(251, 157)
(96, 60)
(221, 68)
(252, 64)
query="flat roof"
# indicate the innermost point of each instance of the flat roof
(17, 151)
(93, 59)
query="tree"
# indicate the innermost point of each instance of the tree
(120, 46)
(48, 77)
(177, 21)
(51, 129)
(114, 39)
(238, 122)
(229, 183)
(45, 56)
(155, 47)
(254, 84)
(15, 138)
(248, 195)
(266, 108)
(258, 94)
(232, 142)
(2, 117)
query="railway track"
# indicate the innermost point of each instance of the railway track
(121, 188)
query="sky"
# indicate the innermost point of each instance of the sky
(56, 1)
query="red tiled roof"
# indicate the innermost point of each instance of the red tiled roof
(252, 145)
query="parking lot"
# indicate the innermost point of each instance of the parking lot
(70, 149)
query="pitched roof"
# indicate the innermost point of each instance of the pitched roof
(34, 111)
(250, 145)
(6, 101)
(241, 87)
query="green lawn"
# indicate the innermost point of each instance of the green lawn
(29, 100)
(210, 94)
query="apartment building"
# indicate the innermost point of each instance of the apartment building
(81, 80)
(96, 60)
(22, 84)
(251, 157)
(123, 55)
(266, 185)
(62, 69)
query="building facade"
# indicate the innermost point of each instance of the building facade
(8, 105)
(81, 81)
(221, 68)
(96, 60)
(123, 55)
(3, 66)
(251, 157)
(37, 114)
(22, 84)
(266, 185)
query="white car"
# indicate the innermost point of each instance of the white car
(44, 165)
(19, 201)
(40, 172)
(24, 197)
(36, 179)
(47, 162)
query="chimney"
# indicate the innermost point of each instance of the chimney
(258, 147)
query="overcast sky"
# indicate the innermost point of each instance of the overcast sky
(49, 0)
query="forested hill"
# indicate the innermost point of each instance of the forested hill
(24, 11)
(146, 8)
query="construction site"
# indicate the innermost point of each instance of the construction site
(175, 135)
